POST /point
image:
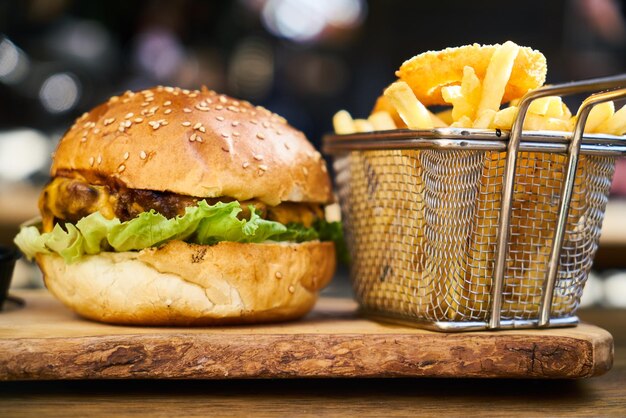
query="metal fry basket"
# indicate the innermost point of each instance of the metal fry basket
(462, 229)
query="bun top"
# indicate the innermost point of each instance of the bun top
(196, 143)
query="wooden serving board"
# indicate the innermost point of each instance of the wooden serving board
(44, 340)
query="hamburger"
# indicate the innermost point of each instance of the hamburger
(177, 207)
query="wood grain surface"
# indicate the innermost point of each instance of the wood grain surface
(46, 341)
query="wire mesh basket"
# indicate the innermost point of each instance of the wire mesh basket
(462, 229)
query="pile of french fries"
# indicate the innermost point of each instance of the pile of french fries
(453, 273)
(476, 103)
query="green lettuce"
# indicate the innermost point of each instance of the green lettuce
(202, 224)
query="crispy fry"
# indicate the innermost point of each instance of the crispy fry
(464, 122)
(381, 121)
(428, 72)
(363, 125)
(551, 106)
(445, 116)
(343, 123)
(383, 104)
(504, 118)
(497, 77)
(485, 119)
(616, 125)
(598, 115)
(412, 112)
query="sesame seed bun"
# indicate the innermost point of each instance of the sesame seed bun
(195, 143)
(188, 284)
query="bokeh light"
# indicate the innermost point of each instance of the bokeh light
(60, 92)
(14, 63)
(22, 153)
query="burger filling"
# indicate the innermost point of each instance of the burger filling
(82, 217)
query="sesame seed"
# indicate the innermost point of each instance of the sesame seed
(155, 124)
(96, 130)
(222, 99)
(279, 133)
(209, 101)
(169, 89)
(220, 118)
(266, 124)
(167, 103)
(121, 168)
(225, 134)
(187, 110)
(144, 104)
(235, 103)
(233, 109)
(287, 145)
(126, 155)
(292, 289)
(197, 125)
(235, 123)
(108, 121)
(236, 134)
(260, 135)
(83, 139)
(202, 129)
(193, 137)
(245, 164)
(99, 159)
(225, 149)
(129, 115)
(203, 103)
(164, 122)
(186, 123)
(153, 109)
(278, 275)
(198, 138)
(324, 169)
(127, 123)
(143, 155)
(138, 120)
(258, 157)
(91, 161)
(202, 108)
(263, 167)
(167, 111)
(149, 99)
(219, 107)
(305, 171)
(121, 128)
(253, 121)
(185, 91)
(147, 93)
(193, 95)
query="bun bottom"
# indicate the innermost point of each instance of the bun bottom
(188, 284)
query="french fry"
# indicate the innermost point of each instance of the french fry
(343, 123)
(464, 98)
(485, 119)
(411, 110)
(598, 115)
(381, 121)
(616, 124)
(504, 118)
(497, 76)
(464, 122)
(550, 106)
(437, 123)
(534, 122)
(445, 116)
(363, 125)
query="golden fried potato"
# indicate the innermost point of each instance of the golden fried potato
(427, 73)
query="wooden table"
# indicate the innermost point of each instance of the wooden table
(599, 396)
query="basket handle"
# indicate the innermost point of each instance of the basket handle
(566, 196)
(509, 177)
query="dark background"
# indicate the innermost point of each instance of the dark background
(106, 47)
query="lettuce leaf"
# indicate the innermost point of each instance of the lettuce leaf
(202, 224)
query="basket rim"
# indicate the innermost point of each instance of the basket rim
(470, 139)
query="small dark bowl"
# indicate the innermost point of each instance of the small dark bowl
(8, 257)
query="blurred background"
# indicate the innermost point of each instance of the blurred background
(303, 59)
